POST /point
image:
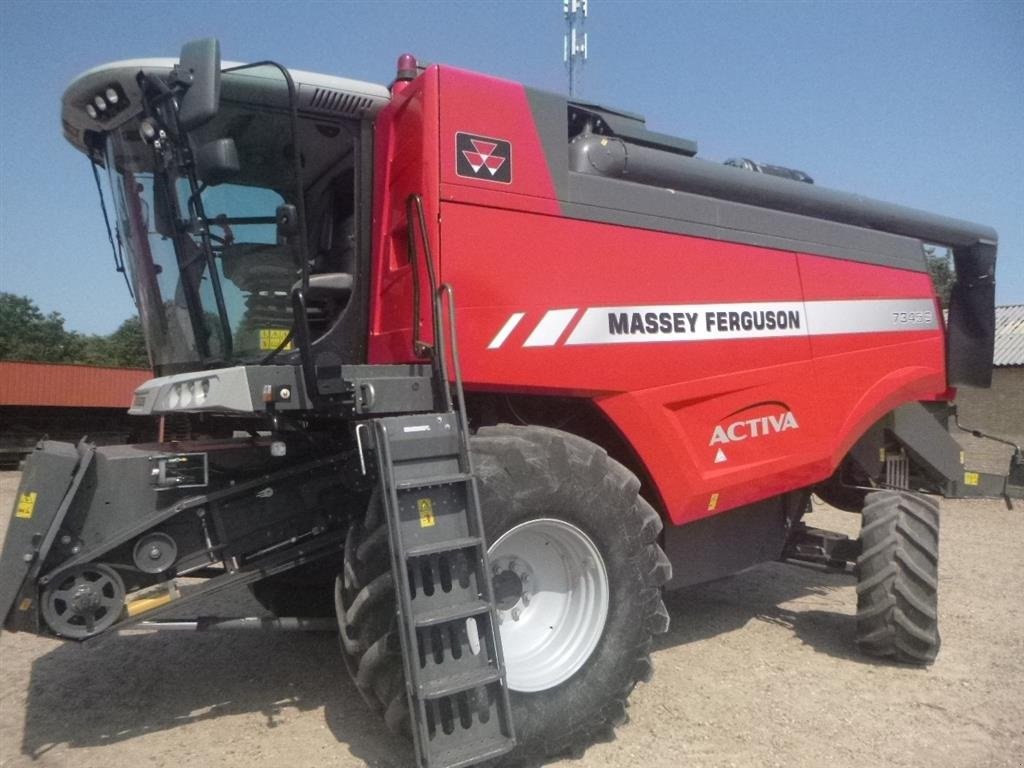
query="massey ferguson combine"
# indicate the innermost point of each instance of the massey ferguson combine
(480, 371)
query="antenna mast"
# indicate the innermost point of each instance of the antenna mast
(574, 47)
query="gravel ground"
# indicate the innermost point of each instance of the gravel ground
(757, 670)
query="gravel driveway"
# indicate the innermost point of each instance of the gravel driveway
(757, 670)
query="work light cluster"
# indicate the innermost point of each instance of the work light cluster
(106, 103)
(188, 394)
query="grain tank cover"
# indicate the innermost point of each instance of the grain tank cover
(628, 126)
(772, 170)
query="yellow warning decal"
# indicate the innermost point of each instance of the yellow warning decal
(712, 502)
(26, 505)
(426, 508)
(971, 478)
(271, 338)
(25, 604)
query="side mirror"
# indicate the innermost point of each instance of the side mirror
(287, 221)
(217, 161)
(199, 70)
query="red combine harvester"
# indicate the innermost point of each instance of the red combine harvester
(480, 371)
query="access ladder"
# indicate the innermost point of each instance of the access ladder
(451, 649)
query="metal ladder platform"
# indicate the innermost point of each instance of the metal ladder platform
(451, 650)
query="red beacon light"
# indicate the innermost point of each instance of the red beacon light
(406, 71)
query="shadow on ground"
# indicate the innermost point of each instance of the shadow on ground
(122, 687)
(759, 594)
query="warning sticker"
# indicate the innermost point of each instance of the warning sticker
(426, 509)
(971, 478)
(26, 505)
(271, 338)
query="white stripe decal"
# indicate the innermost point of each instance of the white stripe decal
(550, 327)
(689, 322)
(870, 316)
(753, 320)
(506, 330)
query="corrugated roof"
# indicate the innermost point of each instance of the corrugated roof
(1009, 335)
(82, 386)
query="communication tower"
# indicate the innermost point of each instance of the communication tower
(574, 48)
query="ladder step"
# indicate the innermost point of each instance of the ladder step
(450, 613)
(427, 482)
(443, 546)
(473, 753)
(463, 681)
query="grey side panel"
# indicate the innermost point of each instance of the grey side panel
(670, 192)
(552, 121)
(725, 544)
(613, 201)
(928, 442)
(971, 330)
(42, 496)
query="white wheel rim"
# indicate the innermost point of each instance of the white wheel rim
(549, 629)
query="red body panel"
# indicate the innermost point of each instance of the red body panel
(405, 164)
(720, 415)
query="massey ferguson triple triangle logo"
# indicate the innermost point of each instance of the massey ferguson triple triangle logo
(480, 157)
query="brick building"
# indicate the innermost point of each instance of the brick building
(999, 410)
(67, 402)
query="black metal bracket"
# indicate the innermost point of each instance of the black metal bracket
(828, 549)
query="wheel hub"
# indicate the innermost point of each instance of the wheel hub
(83, 601)
(551, 591)
(508, 589)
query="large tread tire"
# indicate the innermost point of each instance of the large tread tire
(526, 473)
(898, 585)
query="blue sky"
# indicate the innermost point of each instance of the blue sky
(916, 103)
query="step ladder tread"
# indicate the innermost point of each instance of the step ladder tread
(472, 753)
(461, 610)
(427, 482)
(460, 681)
(450, 545)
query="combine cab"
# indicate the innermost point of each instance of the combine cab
(478, 372)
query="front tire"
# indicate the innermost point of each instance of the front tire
(563, 514)
(897, 582)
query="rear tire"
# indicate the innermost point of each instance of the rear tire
(535, 482)
(897, 583)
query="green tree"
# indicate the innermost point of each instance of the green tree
(940, 267)
(126, 347)
(27, 334)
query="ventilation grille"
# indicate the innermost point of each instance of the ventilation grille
(327, 100)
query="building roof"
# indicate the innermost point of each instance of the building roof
(81, 386)
(1009, 335)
